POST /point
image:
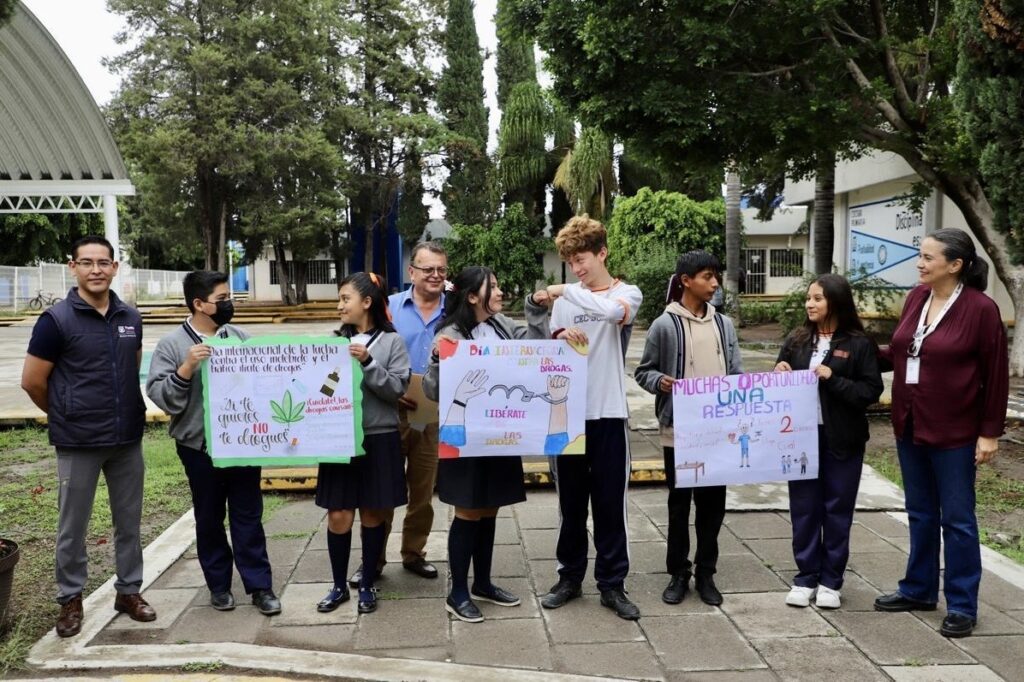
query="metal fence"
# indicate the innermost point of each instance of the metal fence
(34, 287)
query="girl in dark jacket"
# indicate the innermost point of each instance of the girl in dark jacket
(832, 343)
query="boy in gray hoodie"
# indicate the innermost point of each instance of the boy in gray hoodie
(690, 339)
(175, 385)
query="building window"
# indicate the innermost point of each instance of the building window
(786, 262)
(317, 272)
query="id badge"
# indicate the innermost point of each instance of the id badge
(913, 370)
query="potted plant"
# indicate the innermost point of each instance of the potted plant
(9, 555)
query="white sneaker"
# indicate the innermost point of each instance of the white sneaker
(800, 596)
(827, 598)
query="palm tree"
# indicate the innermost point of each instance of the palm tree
(733, 240)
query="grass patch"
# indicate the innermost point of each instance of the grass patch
(996, 493)
(28, 515)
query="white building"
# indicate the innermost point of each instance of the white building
(775, 254)
(878, 234)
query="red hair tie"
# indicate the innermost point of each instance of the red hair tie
(375, 278)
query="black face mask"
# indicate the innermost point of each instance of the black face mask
(225, 311)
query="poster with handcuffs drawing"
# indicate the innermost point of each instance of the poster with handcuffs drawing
(501, 398)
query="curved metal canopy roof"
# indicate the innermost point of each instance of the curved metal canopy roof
(53, 138)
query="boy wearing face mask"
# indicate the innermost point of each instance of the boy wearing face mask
(175, 384)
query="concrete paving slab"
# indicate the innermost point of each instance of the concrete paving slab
(403, 623)
(759, 525)
(539, 544)
(298, 607)
(295, 517)
(863, 539)
(884, 570)
(398, 583)
(1016, 615)
(440, 654)
(530, 518)
(857, 594)
(641, 529)
(625, 660)
(506, 532)
(763, 615)
(991, 621)
(700, 642)
(1003, 654)
(817, 658)
(897, 639)
(508, 561)
(515, 643)
(315, 567)
(168, 604)
(728, 543)
(647, 557)
(529, 606)
(585, 621)
(184, 573)
(309, 637)
(722, 676)
(941, 673)
(776, 553)
(881, 523)
(746, 573)
(204, 624)
(999, 592)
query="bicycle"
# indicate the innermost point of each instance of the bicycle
(43, 299)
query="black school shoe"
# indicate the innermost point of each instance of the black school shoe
(465, 611)
(222, 601)
(335, 598)
(367, 600)
(561, 593)
(267, 602)
(676, 590)
(709, 594)
(496, 595)
(957, 625)
(616, 600)
(897, 602)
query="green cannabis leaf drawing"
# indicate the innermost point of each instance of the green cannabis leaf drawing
(286, 412)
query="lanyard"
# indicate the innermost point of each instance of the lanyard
(924, 330)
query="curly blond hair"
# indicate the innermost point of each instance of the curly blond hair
(581, 233)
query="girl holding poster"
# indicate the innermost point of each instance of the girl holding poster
(374, 482)
(832, 343)
(475, 486)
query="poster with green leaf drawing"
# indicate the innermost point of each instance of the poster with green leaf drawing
(282, 401)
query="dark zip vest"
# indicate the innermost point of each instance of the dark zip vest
(94, 395)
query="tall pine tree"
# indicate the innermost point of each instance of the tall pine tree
(460, 98)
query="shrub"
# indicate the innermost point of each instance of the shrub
(872, 293)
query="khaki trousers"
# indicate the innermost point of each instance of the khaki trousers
(420, 451)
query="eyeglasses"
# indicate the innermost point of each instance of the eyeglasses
(438, 271)
(87, 264)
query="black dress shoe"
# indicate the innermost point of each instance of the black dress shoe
(496, 595)
(266, 602)
(709, 594)
(676, 590)
(335, 598)
(465, 611)
(561, 593)
(957, 625)
(222, 601)
(897, 602)
(420, 567)
(357, 577)
(367, 600)
(617, 601)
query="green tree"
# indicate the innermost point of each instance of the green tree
(413, 215)
(648, 231)
(515, 61)
(30, 238)
(6, 10)
(706, 83)
(388, 43)
(460, 98)
(587, 174)
(510, 247)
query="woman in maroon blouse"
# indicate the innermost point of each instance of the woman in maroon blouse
(949, 394)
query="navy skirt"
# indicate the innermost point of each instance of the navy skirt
(480, 482)
(375, 480)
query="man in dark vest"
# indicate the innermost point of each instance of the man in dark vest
(82, 370)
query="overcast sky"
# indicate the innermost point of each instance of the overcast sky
(85, 30)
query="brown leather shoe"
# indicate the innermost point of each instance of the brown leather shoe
(69, 623)
(135, 606)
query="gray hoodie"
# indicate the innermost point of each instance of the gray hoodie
(181, 399)
(662, 356)
(385, 380)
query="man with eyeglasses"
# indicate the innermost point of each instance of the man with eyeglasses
(416, 313)
(82, 370)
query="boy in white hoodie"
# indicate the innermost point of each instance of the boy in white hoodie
(690, 339)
